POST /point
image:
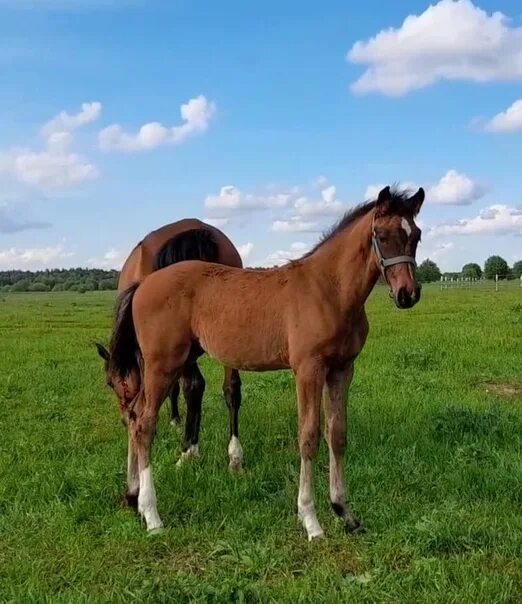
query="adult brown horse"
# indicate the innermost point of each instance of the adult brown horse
(188, 239)
(307, 315)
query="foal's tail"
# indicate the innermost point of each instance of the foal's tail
(124, 350)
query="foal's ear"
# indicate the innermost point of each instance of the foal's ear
(383, 201)
(103, 352)
(415, 201)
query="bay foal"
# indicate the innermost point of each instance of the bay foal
(307, 316)
(187, 239)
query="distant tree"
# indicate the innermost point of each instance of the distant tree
(428, 271)
(22, 285)
(472, 270)
(108, 284)
(495, 265)
(517, 269)
(38, 287)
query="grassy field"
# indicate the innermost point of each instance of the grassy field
(434, 468)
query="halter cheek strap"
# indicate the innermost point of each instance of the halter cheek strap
(385, 263)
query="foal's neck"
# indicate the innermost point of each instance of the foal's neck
(346, 261)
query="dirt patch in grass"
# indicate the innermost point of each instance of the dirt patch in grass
(503, 389)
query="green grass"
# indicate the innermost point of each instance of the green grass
(434, 468)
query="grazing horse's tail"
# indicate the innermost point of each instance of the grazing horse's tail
(124, 349)
(196, 244)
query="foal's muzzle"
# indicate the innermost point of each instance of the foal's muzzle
(406, 297)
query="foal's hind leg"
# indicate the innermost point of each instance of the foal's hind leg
(310, 380)
(232, 393)
(142, 425)
(193, 390)
(175, 418)
(337, 383)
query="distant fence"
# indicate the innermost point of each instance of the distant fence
(469, 282)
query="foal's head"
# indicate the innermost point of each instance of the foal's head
(124, 389)
(394, 238)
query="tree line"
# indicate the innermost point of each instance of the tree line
(71, 279)
(92, 279)
(428, 271)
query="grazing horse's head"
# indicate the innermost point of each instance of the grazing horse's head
(124, 389)
(394, 239)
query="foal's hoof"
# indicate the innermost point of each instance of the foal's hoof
(131, 499)
(175, 422)
(314, 535)
(159, 530)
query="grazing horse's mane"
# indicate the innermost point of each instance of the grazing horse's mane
(398, 197)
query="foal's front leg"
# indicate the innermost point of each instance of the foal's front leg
(337, 383)
(310, 380)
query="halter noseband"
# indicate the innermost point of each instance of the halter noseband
(385, 263)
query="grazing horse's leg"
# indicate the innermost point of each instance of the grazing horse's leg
(142, 424)
(232, 394)
(175, 418)
(193, 390)
(133, 476)
(335, 390)
(310, 380)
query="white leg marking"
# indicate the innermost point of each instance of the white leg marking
(305, 503)
(406, 226)
(147, 501)
(235, 454)
(191, 453)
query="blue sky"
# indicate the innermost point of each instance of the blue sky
(268, 118)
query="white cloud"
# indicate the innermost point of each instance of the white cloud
(328, 205)
(455, 188)
(294, 225)
(64, 122)
(495, 220)
(32, 258)
(438, 252)
(112, 259)
(56, 166)
(279, 257)
(196, 115)
(451, 40)
(217, 222)
(245, 250)
(230, 199)
(507, 121)
(51, 168)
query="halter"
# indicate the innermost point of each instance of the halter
(385, 263)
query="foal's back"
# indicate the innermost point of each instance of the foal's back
(246, 318)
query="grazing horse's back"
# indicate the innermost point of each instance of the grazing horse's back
(142, 259)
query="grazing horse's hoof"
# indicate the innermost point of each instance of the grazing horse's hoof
(192, 453)
(155, 531)
(235, 467)
(354, 527)
(175, 421)
(131, 499)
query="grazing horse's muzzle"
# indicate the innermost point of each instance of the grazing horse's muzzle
(406, 298)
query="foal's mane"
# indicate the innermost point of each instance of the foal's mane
(398, 197)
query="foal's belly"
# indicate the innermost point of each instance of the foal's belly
(247, 350)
